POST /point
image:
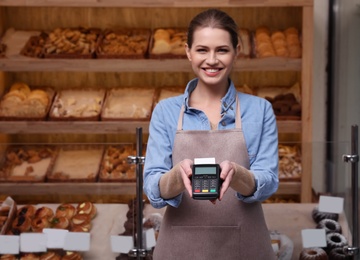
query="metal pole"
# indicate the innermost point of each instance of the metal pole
(353, 158)
(139, 194)
(138, 251)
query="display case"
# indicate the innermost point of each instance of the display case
(157, 73)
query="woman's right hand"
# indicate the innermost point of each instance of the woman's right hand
(186, 173)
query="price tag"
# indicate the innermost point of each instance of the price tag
(33, 242)
(331, 204)
(150, 240)
(9, 244)
(56, 237)
(77, 241)
(313, 238)
(121, 244)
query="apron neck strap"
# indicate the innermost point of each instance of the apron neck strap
(237, 116)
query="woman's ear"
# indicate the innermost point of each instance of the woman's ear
(187, 50)
(238, 49)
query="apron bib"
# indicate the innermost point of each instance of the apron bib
(197, 229)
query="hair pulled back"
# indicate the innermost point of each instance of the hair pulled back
(213, 18)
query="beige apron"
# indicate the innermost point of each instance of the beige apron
(197, 229)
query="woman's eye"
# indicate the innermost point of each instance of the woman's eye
(223, 50)
(201, 50)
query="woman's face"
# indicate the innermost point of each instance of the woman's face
(212, 55)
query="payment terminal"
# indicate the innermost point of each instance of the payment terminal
(206, 181)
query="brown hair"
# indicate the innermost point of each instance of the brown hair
(213, 18)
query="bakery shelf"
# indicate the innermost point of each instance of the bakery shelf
(143, 65)
(103, 127)
(73, 188)
(155, 3)
(108, 188)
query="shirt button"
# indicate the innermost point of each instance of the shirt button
(223, 123)
(225, 105)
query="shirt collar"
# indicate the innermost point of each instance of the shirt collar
(226, 101)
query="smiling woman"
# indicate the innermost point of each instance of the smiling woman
(212, 120)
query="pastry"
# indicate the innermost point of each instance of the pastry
(7, 257)
(330, 226)
(87, 208)
(318, 215)
(21, 224)
(44, 212)
(50, 256)
(334, 240)
(60, 222)
(27, 211)
(169, 41)
(30, 256)
(339, 254)
(20, 86)
(313, 253)
(65, 210)
(80, 219)
(72, 256)
(39, 223)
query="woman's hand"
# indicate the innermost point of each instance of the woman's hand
(226, 174)
(186, 173)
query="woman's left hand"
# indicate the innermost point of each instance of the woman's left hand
(226, 174)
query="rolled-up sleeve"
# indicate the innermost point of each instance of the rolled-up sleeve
(159, 156)
(263, 150)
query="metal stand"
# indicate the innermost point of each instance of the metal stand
(138, 251)
(353, 158)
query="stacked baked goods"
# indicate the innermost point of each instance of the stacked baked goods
(71, 43)
(123, 43)
(245, 43)
(277, 43)
(128, 103)
(76, 164)
(27, 164)
(335, 241)
(114, 165)
(130, 226)
(35, 46)
(25, 103)
(77, 104)
(289, 162)
(65, 216)
(169, 42)
(285, 105)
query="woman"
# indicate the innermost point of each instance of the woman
(212, 119)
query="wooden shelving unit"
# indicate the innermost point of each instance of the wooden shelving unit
(30, 15)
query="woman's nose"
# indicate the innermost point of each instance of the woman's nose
(212, 59)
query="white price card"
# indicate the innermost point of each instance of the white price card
(9, 244)
(331, 204)
(77, 241)
(33, 242)
(121, 244)
(313, 238)
(150, 240)
(56, 237)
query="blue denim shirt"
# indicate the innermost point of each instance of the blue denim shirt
(260, 132)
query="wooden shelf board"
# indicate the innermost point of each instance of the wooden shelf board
(89, 127)
(101, 127)
(289, 188)
(75, 188)
(143, 65)
(156, 3)
(109, 188)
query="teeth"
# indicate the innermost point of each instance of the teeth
(212, 70)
